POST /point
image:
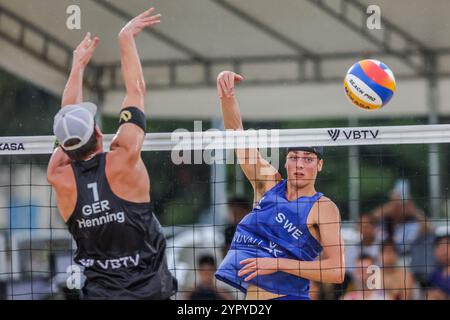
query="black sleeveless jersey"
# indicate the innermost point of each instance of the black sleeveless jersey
(120, 243)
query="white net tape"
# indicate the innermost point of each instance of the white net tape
(275, 138)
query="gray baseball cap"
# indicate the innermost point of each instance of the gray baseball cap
(75, 121)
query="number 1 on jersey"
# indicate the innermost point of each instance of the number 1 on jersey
(94, 188)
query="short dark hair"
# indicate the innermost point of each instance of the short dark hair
(82, 152)
(438, 239)
(364, 256)
(370, 216)
(206, 259)
(239, 202)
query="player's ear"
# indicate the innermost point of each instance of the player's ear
(320, 165)
(98, 133)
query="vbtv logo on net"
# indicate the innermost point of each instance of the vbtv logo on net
(353, 134)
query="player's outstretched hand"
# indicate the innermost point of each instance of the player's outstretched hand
(83, 53)
(225, 83)
(138, 23)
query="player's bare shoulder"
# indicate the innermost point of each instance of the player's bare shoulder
(62, 178)
(324, 211)
(116, 165)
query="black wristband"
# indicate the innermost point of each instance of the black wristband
(133, 115)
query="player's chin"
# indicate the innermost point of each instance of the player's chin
(298, 182)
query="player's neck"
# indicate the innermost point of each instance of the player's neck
(96, 152)
(293, 193)
(92, 155)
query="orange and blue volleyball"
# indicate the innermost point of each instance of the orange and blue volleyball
(369, 84)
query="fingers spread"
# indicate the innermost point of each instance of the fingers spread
(155, 17)
(150, 23)
(146, 13)
(87, 37)
(94, 43)
(85, 40)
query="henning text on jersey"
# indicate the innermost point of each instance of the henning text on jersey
(120, 243)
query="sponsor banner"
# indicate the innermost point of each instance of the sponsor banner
(353, 134)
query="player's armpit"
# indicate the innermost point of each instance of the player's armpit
(58, 161)
(259, 172)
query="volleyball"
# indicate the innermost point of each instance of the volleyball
(369, 84)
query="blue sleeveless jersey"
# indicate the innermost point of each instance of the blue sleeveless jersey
(275, 228)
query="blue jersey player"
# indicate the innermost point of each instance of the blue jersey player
(292, 235)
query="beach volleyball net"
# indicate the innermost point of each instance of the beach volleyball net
(399, 174)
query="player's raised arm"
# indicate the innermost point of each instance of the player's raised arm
(258, 171)
(73, 91)
(73, 94)
(130, 136)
